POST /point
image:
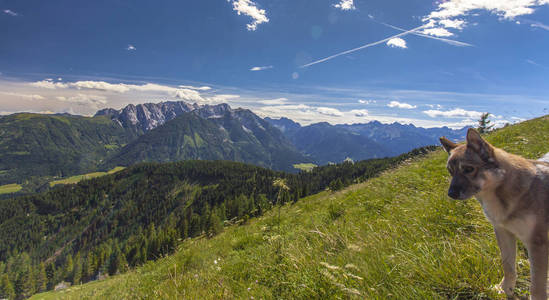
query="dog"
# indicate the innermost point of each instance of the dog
(514, 194)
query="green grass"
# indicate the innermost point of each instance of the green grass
(307, 167)
(397, 236)
(10, 188)
(78, 178)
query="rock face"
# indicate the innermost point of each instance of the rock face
(174, 131)
(144, 117)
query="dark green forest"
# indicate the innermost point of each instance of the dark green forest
(106, 225)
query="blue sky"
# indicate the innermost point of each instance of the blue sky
(463, 58)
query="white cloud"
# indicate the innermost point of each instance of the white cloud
(24, 96)
(438, 31)
(437, 106)
(261, 68)
(507, 9)
(48, 84)
(198, 88)
(222, 98)
(456, 23)
(278, 101)
(189, 95)
(249, 8)
(329, 111)
(98, 85)
(454, 113)
(131, 48)
(345, 5)
(85, 99)
(397, 43)
(359, 112)
(402, 105)
(183, 92)
(362, 101)
(446, 12)
(10, 12)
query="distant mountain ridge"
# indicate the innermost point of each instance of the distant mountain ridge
(147, 116)
(334, 143)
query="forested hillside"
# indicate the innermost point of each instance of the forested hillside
(108, 224)
(35, 145)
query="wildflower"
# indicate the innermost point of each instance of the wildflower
(330, 266)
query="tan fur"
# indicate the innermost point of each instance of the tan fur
(514, 194)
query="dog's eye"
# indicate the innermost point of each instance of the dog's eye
(467, 169)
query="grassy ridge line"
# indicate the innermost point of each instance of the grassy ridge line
(395, 236)
(78, 178)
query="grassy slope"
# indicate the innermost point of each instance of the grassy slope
(78, 178)
(396, 236)
(10, 188)
(307, 167)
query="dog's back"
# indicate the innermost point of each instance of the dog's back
(544, 158)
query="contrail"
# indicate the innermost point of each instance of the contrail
(535, 24)
(363, 47)
(451, 42)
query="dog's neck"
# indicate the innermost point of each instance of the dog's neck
(510, 180)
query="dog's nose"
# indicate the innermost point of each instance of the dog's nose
(453, 193)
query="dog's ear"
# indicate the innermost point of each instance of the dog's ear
(477, 144)
(447, 144)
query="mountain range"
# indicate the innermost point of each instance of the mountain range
(49, 146)
(328, 143)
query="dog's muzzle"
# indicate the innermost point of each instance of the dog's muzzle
(454, 193)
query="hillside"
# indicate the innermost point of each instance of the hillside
(396, 236)
(34, 145)
(106, 224)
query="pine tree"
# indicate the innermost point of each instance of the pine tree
(77, 269)
(68, 268)
(484, 123)
(6, 288)
(24, 281)
(336, 185)
(41, 278)
(50, 275)
(85, 269)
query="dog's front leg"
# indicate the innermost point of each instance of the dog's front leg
(537, 252)
(508, 247)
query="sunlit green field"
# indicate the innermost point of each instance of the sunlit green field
(77, 178)
(307, 167)
(397, 236)
(10, 188)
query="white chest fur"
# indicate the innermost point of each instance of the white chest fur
(522, 227)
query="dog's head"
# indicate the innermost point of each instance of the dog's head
(471, 165)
